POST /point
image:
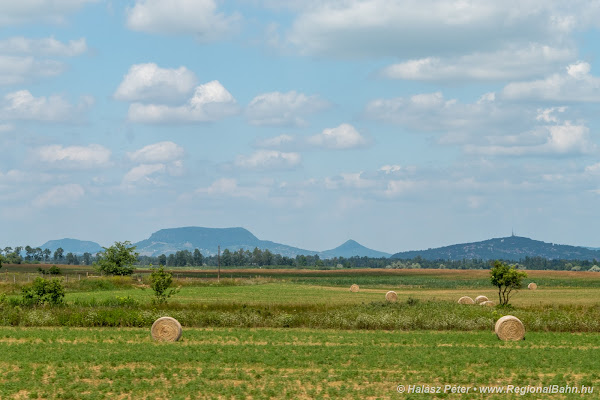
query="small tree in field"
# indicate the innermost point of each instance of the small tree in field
(161, 280)
(507, 279)
(117, 259)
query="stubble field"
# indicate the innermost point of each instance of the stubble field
(302, 334)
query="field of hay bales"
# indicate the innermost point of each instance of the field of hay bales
(298, 334)
(240, 363)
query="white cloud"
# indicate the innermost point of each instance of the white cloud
(91, 156)
(17, 69)
(181, 17)
(344, 136)
(354, 180)
(418, 29)
(46, 46)
(548, 114)
(268, 160)
(26, 11)
(509, 63)
(64, 195)
(552, 140)
(143, 173)
(229, 187)
(6, 128)
(148, 82)
(283, 109)
(210, 102)
(395, 169)
(593, 169)
(576, 84)
(20, 60)
(431, 112)
(277, 141)
(22, 105)
(157, 153)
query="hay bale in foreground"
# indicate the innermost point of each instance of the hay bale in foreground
(487, 303)
(391, 296)
(481, 299)
(465, 300)
(354, 288)
(532, 286)
(509, 328)
(166, 329)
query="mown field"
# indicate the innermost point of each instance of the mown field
(96, 363)
(298, 334)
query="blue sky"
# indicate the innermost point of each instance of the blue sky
(400, 124)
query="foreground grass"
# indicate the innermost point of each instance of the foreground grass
(60, 363)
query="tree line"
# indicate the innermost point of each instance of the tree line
(259, 258)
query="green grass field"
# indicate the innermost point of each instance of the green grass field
(81, 363)
(300, 334)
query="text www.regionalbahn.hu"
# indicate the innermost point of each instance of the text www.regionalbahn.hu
(508, 389)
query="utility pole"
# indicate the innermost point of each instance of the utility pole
(219, 264)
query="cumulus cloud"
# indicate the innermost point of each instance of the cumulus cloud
(26, 11)
(21, 58)
(431, 112)
(341, 137)
(576, 84)
(418, 29)
(18, 69)
(551, 140)
(144, 173)
(277, 142)
(91, 156)
(509, 63)
(283, 109)
(224, 188)
(157, 153)
(210, 102)
(45, 46)
(181, 17)
(149, 82)
(22, 105)
(268, 160)
(64, 195)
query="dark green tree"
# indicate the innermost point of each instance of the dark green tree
(117, 259)
(162, 260)
(87, 258)
(198, 258)
(507, 279)
(59, 254)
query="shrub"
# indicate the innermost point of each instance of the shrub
(160, 282)
(44, 291)
(54, 270)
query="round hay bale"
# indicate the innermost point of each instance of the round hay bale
(465, 300)
(354, 288)
(532, 286)
(487, 303)
(481, 299)
(391, 296)
(166, 329)
(510, 328)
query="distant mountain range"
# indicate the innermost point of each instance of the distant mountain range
(511, 248)
(167, 241)
(72, 246)
(207, 240)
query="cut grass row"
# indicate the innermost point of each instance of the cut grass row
(275, 363)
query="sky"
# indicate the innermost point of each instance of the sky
(403, 125)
